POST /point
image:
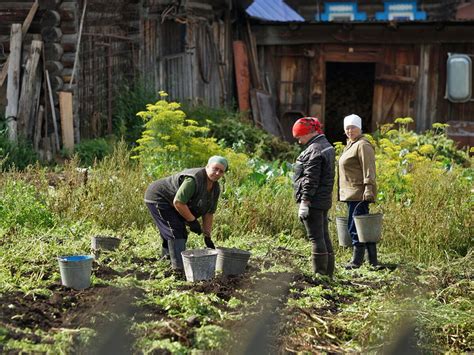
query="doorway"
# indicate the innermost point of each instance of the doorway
(349, 89)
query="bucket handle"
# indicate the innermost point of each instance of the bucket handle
(355, 209)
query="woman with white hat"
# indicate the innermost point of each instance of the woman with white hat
(357, 185)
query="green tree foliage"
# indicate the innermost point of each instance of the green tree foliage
(171, 141)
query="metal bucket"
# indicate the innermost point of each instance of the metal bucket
(199, 264)
(343, 232)
(102, 242)
(76, 271)
(232, 261)
(369, 227)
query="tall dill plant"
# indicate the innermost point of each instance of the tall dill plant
(172, 142)
(424, 187)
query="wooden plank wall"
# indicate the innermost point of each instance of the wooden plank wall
(409, 80)
(109, 48)
(448, 111)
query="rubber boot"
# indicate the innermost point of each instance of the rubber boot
(357, 257)
(331, 264)
(320, 263)
(372, 253)
(165, 252)
(176, 246)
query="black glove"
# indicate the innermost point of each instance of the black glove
(195, 226)
(209, 243)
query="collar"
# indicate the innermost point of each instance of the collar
(312, 140)
(350, 143)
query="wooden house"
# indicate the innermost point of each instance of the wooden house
(357, 57)
(93, 48)
(280, 59)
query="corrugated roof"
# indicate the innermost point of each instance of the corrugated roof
(273, 10)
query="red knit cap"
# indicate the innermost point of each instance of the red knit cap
(306, 125)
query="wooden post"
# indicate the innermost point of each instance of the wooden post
(242, 76)
(24, 29)
(27, 102)
(67, 126)
(13, 85)
(53, 112)
(78, 46)
(38, 128)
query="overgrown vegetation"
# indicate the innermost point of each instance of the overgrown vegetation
(422, 298)
(236, 132)
(18, 155)
(129, 100)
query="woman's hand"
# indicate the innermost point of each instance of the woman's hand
(368, 194)
(208, 242)
(303, 210)
(195, 226)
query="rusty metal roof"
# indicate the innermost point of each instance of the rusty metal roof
(273, 10)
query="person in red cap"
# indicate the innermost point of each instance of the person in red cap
(313, 181)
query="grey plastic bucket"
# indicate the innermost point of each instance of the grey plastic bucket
(369, 227)
(76, 271)
(199, 264)
(232, 261)
(343, 235)
(102, 242)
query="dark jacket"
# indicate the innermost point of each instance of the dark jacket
(313, 178)
(201, 202)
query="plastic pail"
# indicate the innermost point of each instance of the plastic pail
(369, 227)
(199, 264)
(101, 242)
(342, 232)
(232, 261)
(76, 271)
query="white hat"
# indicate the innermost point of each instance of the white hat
(352, 120)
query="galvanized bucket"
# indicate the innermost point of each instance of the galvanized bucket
(343, 232)
(76, 271)
(102, 242)
(369, 227)
(199, 264)
(232, 261)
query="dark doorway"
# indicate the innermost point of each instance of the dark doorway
(349, 89)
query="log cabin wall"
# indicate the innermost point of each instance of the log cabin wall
(125, 42)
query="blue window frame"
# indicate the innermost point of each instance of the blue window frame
(341, 11)
(400, 11)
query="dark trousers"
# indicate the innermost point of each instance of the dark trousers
(318, 232)
(356, 208)
(168, 221)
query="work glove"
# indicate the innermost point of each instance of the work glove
(369, 193)
(303, 211)
(195, 226)
(208, 242)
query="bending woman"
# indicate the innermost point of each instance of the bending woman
(179, 200)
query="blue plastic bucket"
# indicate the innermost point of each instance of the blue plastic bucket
(76, 271)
